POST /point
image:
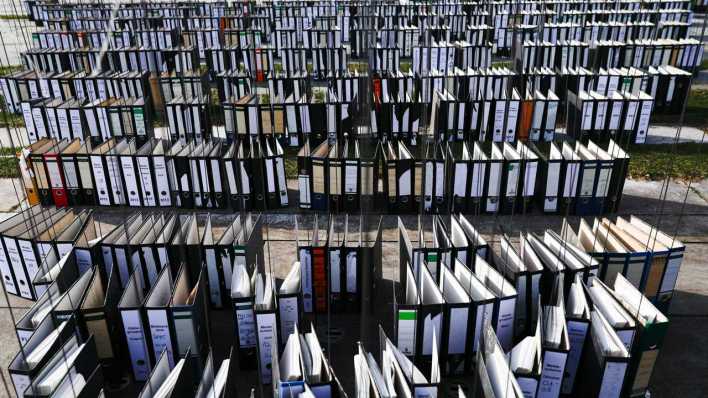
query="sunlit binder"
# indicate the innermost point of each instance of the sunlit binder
(289, 298)
(130, 307)
(503, 316)
(493, 188)
(605, 363)
(266, 329)
(170, 381)
(100, 317)
(67, 372)
(313, 258)
(44, 343)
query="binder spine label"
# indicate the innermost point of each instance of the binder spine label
(288, 307)
(266, 339)
(246, 324)
(306, 272)
(406, 331)
(160, 332)
(552, 374)
(136, 344)
(612, 379)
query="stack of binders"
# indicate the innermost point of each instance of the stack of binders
(188, 119)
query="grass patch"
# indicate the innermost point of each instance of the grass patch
(291, 161)
(703, 65)
(7, 69)
(7, 17)
(8, 119)
(8, 167)
(501, 64)
(696, 111)
(6, 151)
(652, 162)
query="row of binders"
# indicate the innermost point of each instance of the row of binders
(97, 121)
(558, 318)
(561, 177)
(246, 174)
(545, 302)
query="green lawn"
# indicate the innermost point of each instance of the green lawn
(8, 167)
(652, 162)
(696, 111)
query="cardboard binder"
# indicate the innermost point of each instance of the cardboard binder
(130, 307)
(243, 298)
(618, 318)
(407, 304)
(460, 169)
(479, 244)
(620, 168)
(511, 179)
(67, 370)
(45, 342)
(577, 313)
(290, 302)
(313, 258)
(493, 180)
(570, 175)
(99, 316)
(605, 360)
(503, 316)
(70, 171)
(20, 250)
(656, 262)
(158, 316)
(10, 280)
(458, 331)
(26, 325)
(482, 300)
(352, 175)
(501, 381)
(526, 360)
(30, 178)
(652, 327)
(266, 328)
(191, 318)
(524, 269)
(67, 306)
(338, 262)
(673, 261)
(85, 168)
(549, 182)
(168, 381)
(114, 248)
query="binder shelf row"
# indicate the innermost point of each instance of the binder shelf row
(351, 175)
(574, 312)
